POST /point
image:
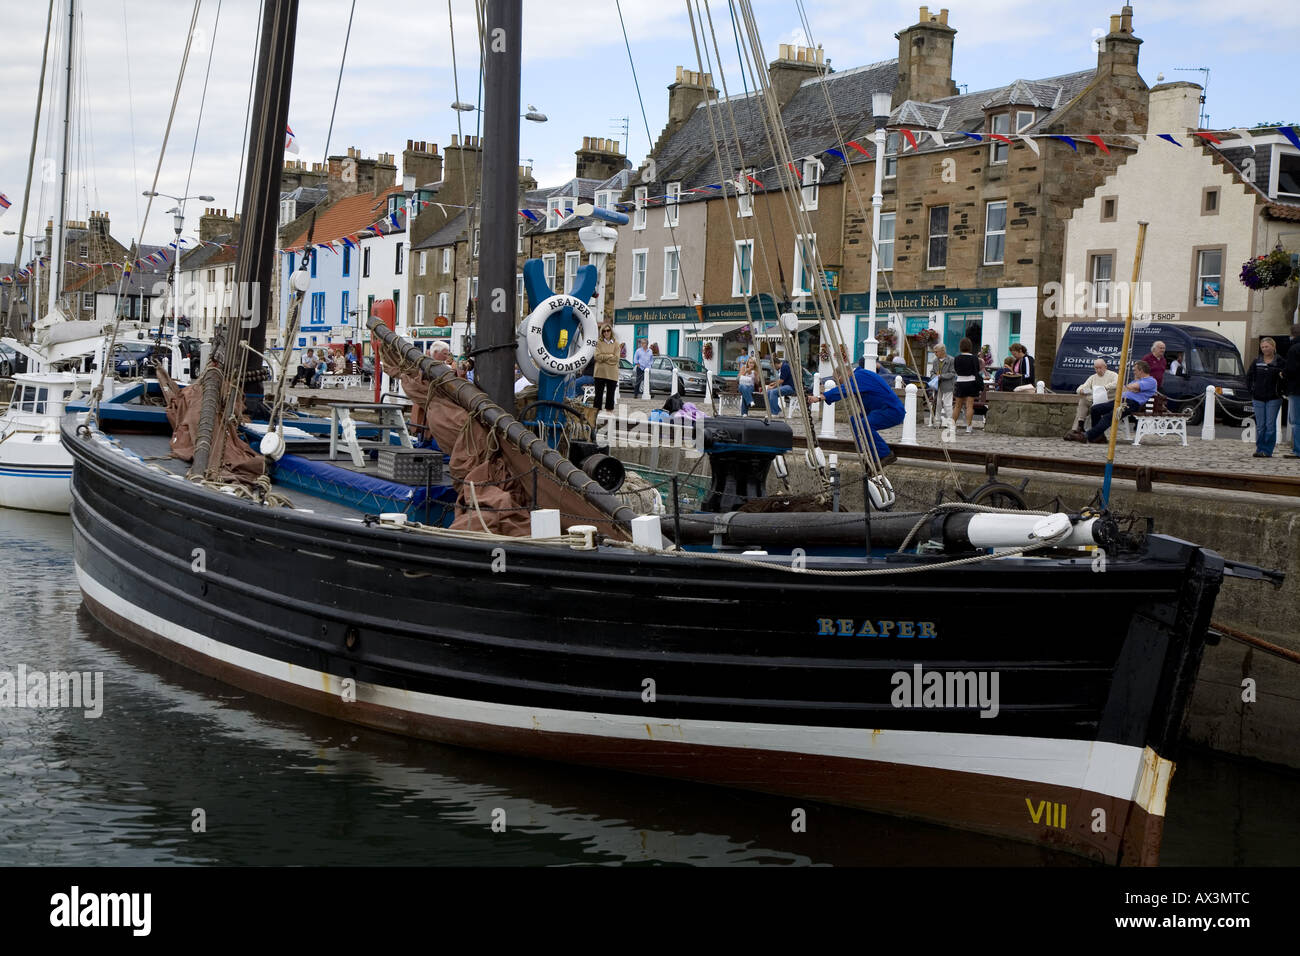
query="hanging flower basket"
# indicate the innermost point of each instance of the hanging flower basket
(929, 337)
(844, 353)
(1268, 272)
(708, 351)
(824, 353)
(886, 339)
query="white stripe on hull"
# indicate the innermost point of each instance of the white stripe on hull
(1124, 772)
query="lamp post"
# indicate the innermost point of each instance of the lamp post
(880, 108)
(178, 223)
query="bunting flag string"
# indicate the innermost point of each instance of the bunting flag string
(1097, 141)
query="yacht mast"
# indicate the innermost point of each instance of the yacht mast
(57, 252)
(500, 188)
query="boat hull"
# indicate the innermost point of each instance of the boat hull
(35, 473)
(682, 667)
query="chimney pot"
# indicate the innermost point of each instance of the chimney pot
(1114, 23)
(925, 14)
(943, 16)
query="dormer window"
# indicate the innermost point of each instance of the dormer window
(394, 205)
(555, 211)
(287, 212)
(1000, 125)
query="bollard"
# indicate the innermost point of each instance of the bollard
(898, 381)
(616, 393)
(1207, 422)
(645, 385)
(828, 413)
(708, 386)
(1277, 427)
(1038, 389)
(909, 419)
(674, 386)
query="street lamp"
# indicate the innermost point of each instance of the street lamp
(178, 223)
(881, 104)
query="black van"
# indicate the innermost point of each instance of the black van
(1204, 357)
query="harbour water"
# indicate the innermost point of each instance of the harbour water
(179, 769)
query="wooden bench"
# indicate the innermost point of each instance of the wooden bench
(1155, 419)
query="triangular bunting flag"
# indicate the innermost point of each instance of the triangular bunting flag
(937, 137)
(856, 145)
(910, 137)
(1167, 137)
(1000, 138)
(1245, 136)
(1290, 133)
(1097, 141)
(1029, 141)
(796, 172)
(1067, 140)
(1208, 137)
(974, 136)
(393, 219)
(833, 152)
(755, 181)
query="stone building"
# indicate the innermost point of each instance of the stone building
(972, 225)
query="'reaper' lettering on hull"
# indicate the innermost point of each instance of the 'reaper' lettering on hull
(853, 627)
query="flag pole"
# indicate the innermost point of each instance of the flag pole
(1123, 364)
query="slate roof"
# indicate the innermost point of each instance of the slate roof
(453, 230)
(688, 155)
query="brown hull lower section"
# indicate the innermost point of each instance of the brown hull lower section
(1044, 814)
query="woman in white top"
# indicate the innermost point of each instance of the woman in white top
(745, 383)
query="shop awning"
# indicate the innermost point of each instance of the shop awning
(715, 330)
(774, 333)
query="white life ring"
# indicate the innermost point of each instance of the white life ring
(537, 350)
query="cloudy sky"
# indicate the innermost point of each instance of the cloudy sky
(398, 80)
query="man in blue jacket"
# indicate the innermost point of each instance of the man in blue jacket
(1136, 394)
(882, 406)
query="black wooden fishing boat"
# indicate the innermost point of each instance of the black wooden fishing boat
(891, 682)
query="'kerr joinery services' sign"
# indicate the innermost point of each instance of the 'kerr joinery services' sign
(922, 300)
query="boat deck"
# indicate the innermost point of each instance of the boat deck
(156, 449)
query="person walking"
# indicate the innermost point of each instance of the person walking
(945, 380)
(968, 381)
(606, 375)
(1291, 386)
(1263, 379)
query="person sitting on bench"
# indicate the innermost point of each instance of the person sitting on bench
(1136, 394)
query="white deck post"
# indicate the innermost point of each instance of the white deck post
(909, 419)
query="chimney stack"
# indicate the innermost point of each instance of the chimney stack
(599, 158)
(1118, 52)
(925, 60)
(689, 90)
(792, 66)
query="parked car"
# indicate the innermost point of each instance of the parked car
(11, 361)
(690, 375)
(130, 359)
(1205, 356)
(626, 375)
(893, 369)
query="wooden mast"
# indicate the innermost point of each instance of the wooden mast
(257, 236)
(495, 309)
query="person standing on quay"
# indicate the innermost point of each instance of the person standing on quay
(968, 383)
(1291, 385)
(1263, 378)
(642, 358)
(606, 374)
